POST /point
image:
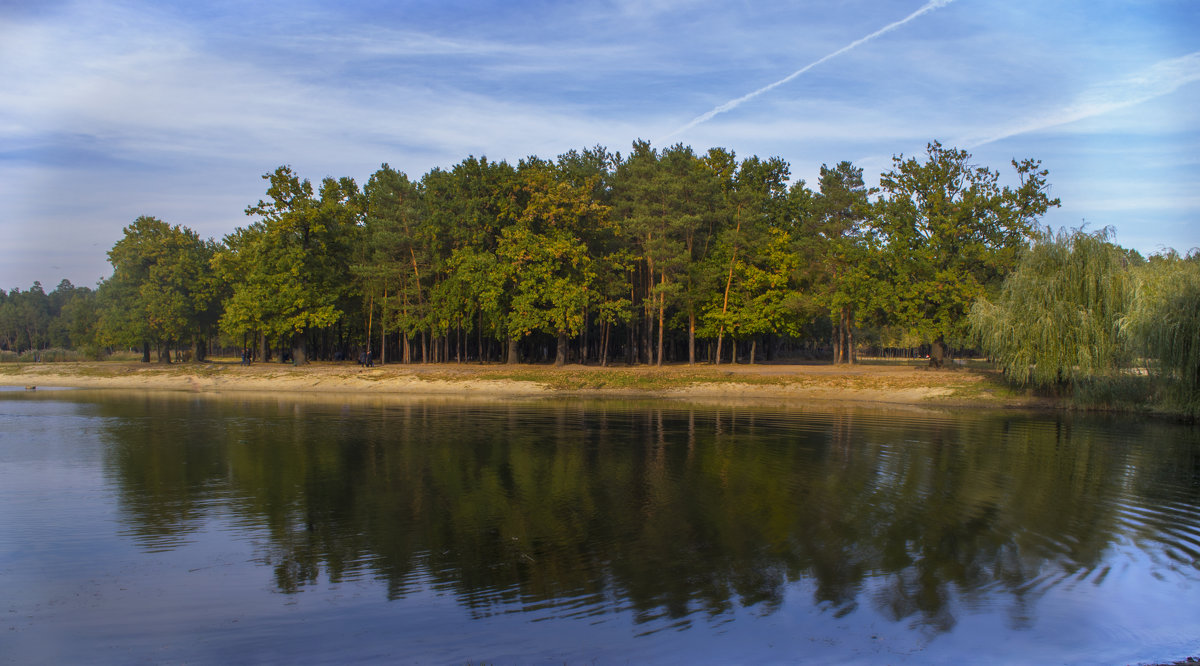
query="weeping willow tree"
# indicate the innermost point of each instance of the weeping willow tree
(1163, 324)
(1055, 320)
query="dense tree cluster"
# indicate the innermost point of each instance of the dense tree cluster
(660, 255)
(33, 321)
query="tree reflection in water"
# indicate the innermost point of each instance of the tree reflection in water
(672, 512)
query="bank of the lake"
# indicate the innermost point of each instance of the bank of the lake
(870, 382)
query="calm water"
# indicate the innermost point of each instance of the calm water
(139, 527)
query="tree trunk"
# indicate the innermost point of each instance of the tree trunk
(199, 347)
(299, 349)
(662, 313)
(514, 353)
(604, 332)
(583, 339)
(728, 286)
(648, 331)
(560, 356)
(145, 352)
(691, 335)
(631, 344)
(753, 349)
(370, 320)
(647, 355)
(850, 356)
(937, 352)
(837, 341)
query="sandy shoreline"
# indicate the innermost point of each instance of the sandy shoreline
(869, 383)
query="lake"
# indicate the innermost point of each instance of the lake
(171, 527)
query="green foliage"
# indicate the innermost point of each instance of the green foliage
(950, 232)
(162, 291)
(1163, 324)
(289, 271)
(760, 300)
(25, 318)
(841, 251)
(393, 251)
(743, 279)
(543, 259)
(1055, 321)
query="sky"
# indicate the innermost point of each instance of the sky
(110, 110)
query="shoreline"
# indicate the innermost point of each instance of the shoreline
(870, 382)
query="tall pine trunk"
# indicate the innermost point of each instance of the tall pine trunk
(604, 332)
(850, 339)
(691, 335)
(370, 320)
(837, 341)
(662, 314)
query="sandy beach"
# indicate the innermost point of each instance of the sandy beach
(893, 383)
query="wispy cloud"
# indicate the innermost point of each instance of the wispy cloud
(734, 103)
(1161, 78)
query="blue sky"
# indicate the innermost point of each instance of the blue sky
(110, 110)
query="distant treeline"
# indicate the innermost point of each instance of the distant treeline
(656, 256)
(33, 321)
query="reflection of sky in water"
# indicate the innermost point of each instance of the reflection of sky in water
(87, 578)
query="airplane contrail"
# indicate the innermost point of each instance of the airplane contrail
(1161, 78)
(734, 103)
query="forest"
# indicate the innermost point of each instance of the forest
(658, 256)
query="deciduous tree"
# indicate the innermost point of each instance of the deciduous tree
(950, 232)
(1054, 322)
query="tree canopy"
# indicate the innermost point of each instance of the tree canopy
(1055, 320)
(949, 233)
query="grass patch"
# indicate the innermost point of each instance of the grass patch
(594, 378)
(53, 355)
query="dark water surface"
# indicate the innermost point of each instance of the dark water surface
(162, 527)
